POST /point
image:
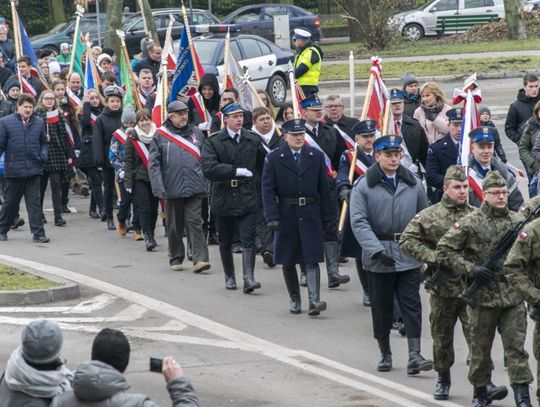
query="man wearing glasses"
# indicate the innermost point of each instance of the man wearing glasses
(334, 115)
(307, 62)
(482, 161)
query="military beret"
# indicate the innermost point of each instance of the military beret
(396, 95)
(456, 173)
(176, 106)
(493, 179)
(483, 135)
(390, 142)
(455, 115)
(302, 34)
(312, 102)
(294, 126)
(231, 108)
(365, 127)
(113, 90)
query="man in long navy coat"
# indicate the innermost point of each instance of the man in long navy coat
(298, 206)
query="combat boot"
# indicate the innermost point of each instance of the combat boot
(248, 268)
(228, 268)
(416, 362)
(385, 363)
(331, 257)
(303, 278)
(313, 277)
(149, 242)
(442, 388)
(521, 395)
(495, 392)
(291, 281)
(480, 397)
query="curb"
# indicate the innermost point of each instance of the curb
(67, 291)
(329, 85)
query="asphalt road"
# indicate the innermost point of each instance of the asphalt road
(241, 350)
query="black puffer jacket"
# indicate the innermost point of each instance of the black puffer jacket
(86, 158)
(134, 167)
(7, 106)
(106, 124)
(519, 112)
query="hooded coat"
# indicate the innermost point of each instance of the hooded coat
(519, 112)
(211, 105)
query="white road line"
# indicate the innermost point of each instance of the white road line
(85, 307)
(250, 342)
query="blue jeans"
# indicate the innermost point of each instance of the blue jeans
(533, 186)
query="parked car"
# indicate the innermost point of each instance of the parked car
(64, 32)
(531, 5)
(259, 19)
(265, 62)
(134, 25)
(442, 17)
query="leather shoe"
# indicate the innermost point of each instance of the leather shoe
(385, 363)
(17, 223)
(295, 307)
(103, 217)
(230, 283)
(110, 224)
(65, 209)
(59, 221)
(315, 308)
(41, 239)
(366, 301)
(93, 215)
(268, 259)
(3, 237)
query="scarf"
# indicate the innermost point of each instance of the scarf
(20, 376)
(268, 136)
(435, 109)
(146, 138)
(415, 97)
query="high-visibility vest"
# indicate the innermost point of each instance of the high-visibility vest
(311, 77)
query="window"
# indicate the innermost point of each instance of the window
(251, 48)
(200, 18)
(139, 25)
(270, 12)
(235, 49)
(478, 3)
(446, 5)
(265, 49)
(248, 16)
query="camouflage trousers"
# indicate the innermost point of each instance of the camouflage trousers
(536, 352)
(443, 317)
(511, 323)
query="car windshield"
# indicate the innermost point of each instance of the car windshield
(206, 50)
(59, 28)
(425, 6)
(129, 20)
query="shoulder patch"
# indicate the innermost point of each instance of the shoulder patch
(523, 235)
(456, 225)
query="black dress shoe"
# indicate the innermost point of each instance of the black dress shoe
(17, 223)
(110, 224)
(268, 259)
(3, 237)
(103, 217)
(41, 239)
(59, 221)
(94, 215)
(366, 301)
(385, 363)
(230, 283)
(65, 209)
(236, 249)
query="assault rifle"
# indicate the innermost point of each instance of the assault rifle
(496, 258)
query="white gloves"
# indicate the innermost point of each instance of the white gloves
(204, 126)
(243, 172)
(121, 174)
(128, 190)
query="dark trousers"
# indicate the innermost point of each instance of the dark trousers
(246, 227)
(65, 190)
(124, 205)
(108, 186)
(264, 235)
(405, 285)
(56, 191)
(96, 182)
(331, 232)
(15, 189)
(185, 212)
(309, 89)
(146, 205)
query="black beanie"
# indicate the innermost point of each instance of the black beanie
(111, 347)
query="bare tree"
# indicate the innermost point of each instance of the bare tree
(514, 20)
(146, 11)
(57, 8)
(114, 13)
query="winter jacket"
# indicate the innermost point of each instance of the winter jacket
(7, 106)
(25, 150)
(174, 172)
(86, 158)
(435, 129)
(519, 112)
(499, 150)
(148, 63)
(211, 105)
(411, 103)
(97, 384)
(60, 148)
(106, 124)
(526, 144)
(378, 213)
(133, 164)
(32, 80)
(536, 146)
(117, 153)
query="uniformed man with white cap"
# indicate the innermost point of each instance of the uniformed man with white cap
(307, 62)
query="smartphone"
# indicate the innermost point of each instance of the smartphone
(156, 365)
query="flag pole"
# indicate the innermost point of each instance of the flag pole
(351, 81)
(79, 13)
(226, 61)
(296, 108)
(345, 205)
(131, 78)
(16, 30)
(190, 42)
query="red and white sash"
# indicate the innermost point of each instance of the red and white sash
(360, 168)
(75, 101)
(27, 87)
(180, 142)
(349, 142)
(328, 164)
(53, 117)
(475, 182)
(120, 136)
(142, 150)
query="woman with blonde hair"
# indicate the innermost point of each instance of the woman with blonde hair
(432, 112)
(267, 103)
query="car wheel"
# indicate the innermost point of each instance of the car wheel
(277, 90)
(413, 32)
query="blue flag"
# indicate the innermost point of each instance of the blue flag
(184, 79)
(27, 45)
(89, 81)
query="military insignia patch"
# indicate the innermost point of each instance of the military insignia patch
(455, 225)
(523, 235)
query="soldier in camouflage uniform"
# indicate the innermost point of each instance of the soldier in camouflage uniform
(529, 206)
(419, 240)
(463, 248)
(522, 270)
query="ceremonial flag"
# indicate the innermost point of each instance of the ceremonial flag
(127, 83)
(157, 111)
(91, 75)
(27, 45)
(168, 50)
(238, 79)
(27, 50)
(185, 81)
(471, 95)
(379, 95)
(53, 117)
(79, 50)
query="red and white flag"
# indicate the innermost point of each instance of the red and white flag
(75, 101)
(69, 132)
(379, 94)
(53, 117)
(349, 142)
(470, 96)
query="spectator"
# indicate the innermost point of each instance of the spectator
(12, 91)
(7, 48)
(101, 381)
(24, 141)
(24, 64)
(35, 372)
(285, 113)
(529, 148)
(432, 112)
(410, 94)
(521, 109)
(485, 120)
(5, 73)
(104, 63)
(267, 102)
(54, 70)
(96, 52)
(209, 90)
(152, 61)
(64, 57)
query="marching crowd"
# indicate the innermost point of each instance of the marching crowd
(268, 182)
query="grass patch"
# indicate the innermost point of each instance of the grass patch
(12, 279)
(402, 47)
(464, 66)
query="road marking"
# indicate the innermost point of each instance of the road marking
(86, 307)
(250, 342)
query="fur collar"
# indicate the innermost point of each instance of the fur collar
(374, 175)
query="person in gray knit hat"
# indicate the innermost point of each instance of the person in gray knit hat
(411, 95)
(35, 372)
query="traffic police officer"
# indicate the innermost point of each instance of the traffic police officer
(463, 249)
(364, 136)
(297, 204)
(307, 62)
(382, 204)
(231, 159)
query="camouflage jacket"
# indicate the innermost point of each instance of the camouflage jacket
(530, 206)
(470, 242)
(522, 266)
(420, 238)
